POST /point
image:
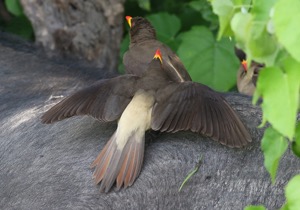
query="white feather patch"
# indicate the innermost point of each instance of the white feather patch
(135, 118)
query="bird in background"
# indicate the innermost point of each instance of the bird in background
(247, 75)
(143, 43)
(150, 101)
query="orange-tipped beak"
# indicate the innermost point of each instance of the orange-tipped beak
(244, 63)
(128, 18)
(158, 55)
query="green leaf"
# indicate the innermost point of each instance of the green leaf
(296, 143)
(292, 193)
(208, 61)
(241, 26)
(296, 148)
(204, 8)
(225, 10)
(263, 48)
(124, 47)
(197, 5)
(252, 36)
(255, 208)
(287, 27)
(144, 4)
(297, 134)
(279, 89)
(261, 15)
(284, 207)
(250, 30)
(14, 7)
(190, 174)
(20, 25)
(242, 3)
(273, 146)
(167, 26)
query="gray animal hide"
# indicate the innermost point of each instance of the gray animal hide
(47, 166)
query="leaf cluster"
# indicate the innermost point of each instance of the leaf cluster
(13, 20)
(268, 31)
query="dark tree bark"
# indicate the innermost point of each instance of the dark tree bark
(47, 166)
(91, 30)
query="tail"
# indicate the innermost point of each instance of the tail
(120, 163)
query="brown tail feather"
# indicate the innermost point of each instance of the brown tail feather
(121, 165)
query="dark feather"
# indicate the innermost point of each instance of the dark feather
(195, 107)
(119, 165)
(104, 100)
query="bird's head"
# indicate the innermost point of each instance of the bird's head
(140, 29)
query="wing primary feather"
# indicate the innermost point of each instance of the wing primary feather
(215, 123)
(92, 100)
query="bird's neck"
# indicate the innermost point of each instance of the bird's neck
(142, 35)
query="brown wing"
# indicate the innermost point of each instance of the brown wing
(104, 100)
(195, 107)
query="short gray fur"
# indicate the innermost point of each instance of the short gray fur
(47, 166)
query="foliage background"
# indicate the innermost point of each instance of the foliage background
(12, 19)
(190, 29)
(203, 34)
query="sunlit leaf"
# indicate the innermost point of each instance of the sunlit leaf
(255, 208)
(286, 24)
(241, 26)
(262, 48)
(209, 61)
(252, 36)
(225, 10)
(284, 207)
(292, 193)
(261, 15)
(279, 89)
(273, 146)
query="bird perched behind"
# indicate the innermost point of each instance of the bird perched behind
(143, 43)
(247, 76)
(151, 101)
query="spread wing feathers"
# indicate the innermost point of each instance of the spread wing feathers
(120, 165)
(195, 107)
(104, 100)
